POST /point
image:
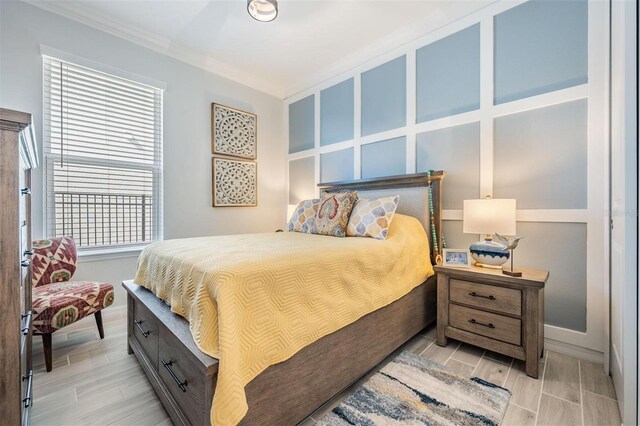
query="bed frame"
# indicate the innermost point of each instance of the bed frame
(286, 393)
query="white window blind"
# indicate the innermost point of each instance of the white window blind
(103, 157)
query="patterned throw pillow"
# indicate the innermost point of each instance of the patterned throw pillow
(304, 216)
(333, 213)
(372, 218)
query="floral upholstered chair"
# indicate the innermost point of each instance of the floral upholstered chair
(58, 301)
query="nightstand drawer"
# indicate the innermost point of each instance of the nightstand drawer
(494, 326)
(499, 299)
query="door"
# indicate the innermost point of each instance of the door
(624, 197)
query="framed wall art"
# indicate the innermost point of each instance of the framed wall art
(233, 132)
(235, 183)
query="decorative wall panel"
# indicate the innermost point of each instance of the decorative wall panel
(235, 183)
(540, 46)
(234, 132)
(384, 158)
(384, 97)
(457, 151)
(301, 124)
(454, 236)
(336, 113)
(448, 75)
(336, 166)
(540, 157)
(562, 249)
(302, 184)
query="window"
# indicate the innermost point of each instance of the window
(103, 157)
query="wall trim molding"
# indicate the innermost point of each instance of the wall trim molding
(87, 257)
(536, 215)
(573, 350)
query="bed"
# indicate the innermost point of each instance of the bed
(179, 361)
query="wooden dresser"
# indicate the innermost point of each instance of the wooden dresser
(486, 308)
(18, 156)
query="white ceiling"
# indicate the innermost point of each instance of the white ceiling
(309, 41)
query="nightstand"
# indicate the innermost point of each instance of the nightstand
(486, 308)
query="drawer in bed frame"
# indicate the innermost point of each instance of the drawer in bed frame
(146, 332)
(183, 377)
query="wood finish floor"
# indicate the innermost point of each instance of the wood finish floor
(95, 382)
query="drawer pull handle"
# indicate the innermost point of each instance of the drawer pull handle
(142, 330)
(181, 385)
(25, 330)
(28, 253)
(27, 322)
(25, 191)
(27, 397)
(25, 263)
(474, 294)
(472, 321)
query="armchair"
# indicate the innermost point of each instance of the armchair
(58, 301)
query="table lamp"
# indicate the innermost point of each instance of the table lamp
(489, 216)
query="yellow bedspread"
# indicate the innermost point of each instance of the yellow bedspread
(255, 300)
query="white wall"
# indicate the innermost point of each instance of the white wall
(187, 128)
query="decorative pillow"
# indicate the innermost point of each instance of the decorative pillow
(372, 218)
(304, 215)
(333, 213)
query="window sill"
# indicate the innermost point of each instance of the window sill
(110, 253)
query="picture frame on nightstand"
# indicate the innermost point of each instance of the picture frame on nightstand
(456, 257)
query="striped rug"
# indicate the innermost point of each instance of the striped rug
(411, 390)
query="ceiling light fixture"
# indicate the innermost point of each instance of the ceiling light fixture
(263, 10)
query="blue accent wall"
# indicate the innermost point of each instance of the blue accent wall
(540, 46)
(301, 179)
(384, 97)
(384, 158)
(301, 125)
(336, 166)
(540, 157)
(562, 249)
(336, 113)
(456, 150)
(448, 75)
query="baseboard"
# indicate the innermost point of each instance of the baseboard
(573, 350)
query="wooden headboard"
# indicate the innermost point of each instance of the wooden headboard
(413, 191)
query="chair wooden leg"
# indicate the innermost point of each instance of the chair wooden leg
(48, 350)
(98, 316)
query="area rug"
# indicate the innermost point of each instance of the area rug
(411, 390)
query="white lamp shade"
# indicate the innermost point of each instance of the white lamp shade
(489, 216)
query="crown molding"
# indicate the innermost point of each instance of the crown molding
(158, 44)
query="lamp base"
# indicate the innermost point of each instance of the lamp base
(484, 265)
(512, 273)
(489, 254)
